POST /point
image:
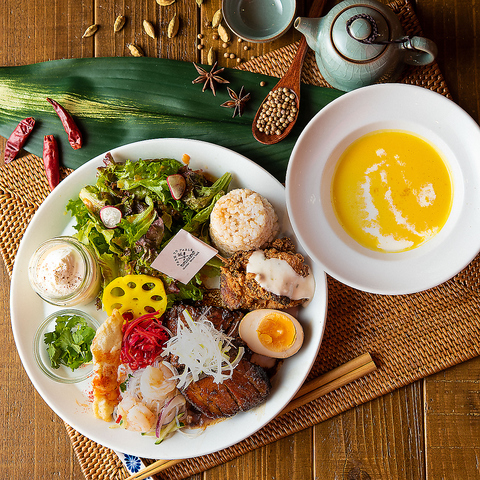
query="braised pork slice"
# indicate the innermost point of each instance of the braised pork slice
(248, 387)
(222, 318)
(240, 290)
(211, 399)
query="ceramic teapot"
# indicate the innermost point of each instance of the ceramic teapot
(360, 42)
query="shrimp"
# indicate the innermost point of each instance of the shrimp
(156, 383)
(106, 348)
(136, 416)
(148, 390)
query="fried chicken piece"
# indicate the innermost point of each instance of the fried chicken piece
(106, 348)
(240, 290)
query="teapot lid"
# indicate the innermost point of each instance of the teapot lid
(353, 26)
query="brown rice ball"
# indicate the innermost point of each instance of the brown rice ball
(242, 220)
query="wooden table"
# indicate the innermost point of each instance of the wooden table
(427, 430)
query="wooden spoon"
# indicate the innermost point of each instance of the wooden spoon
(290, 80)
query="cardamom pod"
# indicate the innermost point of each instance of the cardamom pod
(173, 26)
(149, 30)
(165, 3)
(90, 31)
(217, 18)
(199, 2)
(119, 23)
(211, 56)
(135, 50)
(223, 33)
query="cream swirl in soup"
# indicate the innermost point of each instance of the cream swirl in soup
(392, 191)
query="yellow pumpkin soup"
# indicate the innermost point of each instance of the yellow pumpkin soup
(391, 191)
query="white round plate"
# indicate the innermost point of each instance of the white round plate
(71, 402)
(312, 164)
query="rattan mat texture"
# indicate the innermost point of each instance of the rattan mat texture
(410, 336)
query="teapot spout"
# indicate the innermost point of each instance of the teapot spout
(310, 28)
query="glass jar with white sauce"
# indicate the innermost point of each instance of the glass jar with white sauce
(64, 272)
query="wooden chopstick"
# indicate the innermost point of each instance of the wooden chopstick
(154, 468)
(326, 383)
(336, 378)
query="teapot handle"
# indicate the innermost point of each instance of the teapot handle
(419, 51)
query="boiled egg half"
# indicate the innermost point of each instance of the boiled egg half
(271, 333)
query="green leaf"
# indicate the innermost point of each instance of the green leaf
(120, 100)
(69, 344)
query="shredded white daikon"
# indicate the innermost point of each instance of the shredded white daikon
(203, 350)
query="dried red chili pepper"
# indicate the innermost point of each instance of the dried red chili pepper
(74, 134)
(18, 138)
(50, 160)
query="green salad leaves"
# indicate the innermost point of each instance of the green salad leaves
(69, 344)
(150, 216)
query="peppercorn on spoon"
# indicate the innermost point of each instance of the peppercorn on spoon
(291, 82)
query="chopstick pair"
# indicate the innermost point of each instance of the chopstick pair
(326, 383)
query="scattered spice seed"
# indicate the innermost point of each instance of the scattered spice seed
(262, 83)
(224, 45)
(215, 36)
(239, 60)
(200, 46)
(135, 50)
(200, 36)
(217, 18)
(209, 78)
(73, 132)
(173, 26)
(239, 40)
(149, 30)
(226, 54)
(237, 102)
(119, 23)
(211, 56)
(17, 139)
(223, 33)
(51, 161)
(246, 47)
(90, 31)
(232, 55)
(278, 111)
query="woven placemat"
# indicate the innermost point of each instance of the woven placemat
(276, 63)
(410, 336)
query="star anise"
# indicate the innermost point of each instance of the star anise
(237, 102)
(209, 78)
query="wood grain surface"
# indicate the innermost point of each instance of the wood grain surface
(428, 430)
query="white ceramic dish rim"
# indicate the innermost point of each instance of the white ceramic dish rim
(70, 402)
(312, 164)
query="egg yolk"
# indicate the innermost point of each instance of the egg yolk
(276, 332)
(391, 191)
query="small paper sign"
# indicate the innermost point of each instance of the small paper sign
(183, 257)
